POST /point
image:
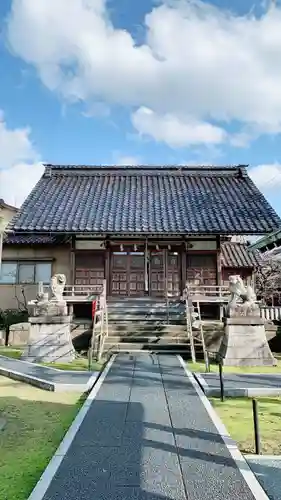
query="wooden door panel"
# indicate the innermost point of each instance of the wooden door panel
(136, 274)
(201, 270)
(157, 274)
(173, 273)
(89, 268)
(127, 274)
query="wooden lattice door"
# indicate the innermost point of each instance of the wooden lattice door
(173, 273)
(136, 274)
(119, 273)
(127, 273)
(157, 273)
(89, 268)
(201, 269)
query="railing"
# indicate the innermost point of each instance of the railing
(100, 326)
(208, 293)
(79, 293)
(270, 313)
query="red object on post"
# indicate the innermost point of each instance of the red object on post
(94, 308)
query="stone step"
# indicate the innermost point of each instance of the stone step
(149, 339)
(128, 327)
(144, 307)
(135, 347)
(115, 318)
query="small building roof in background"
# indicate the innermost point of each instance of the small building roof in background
(268, 242)
(34, 239)
(237, 255)
(146, 200)
(9, 207)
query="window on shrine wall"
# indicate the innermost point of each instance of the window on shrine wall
(16, 272)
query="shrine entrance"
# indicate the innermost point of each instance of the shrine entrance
(132, 275)
(164, 273)
(128, 274)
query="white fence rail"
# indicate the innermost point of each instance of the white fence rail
(271, 313)
(79, 293)
(208, 293)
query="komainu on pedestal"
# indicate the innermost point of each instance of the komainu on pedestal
(49, 326)
(244, 342)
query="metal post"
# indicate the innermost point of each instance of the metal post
(256, 427)
(221, 382)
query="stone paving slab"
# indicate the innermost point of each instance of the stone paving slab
(268, 473)
(241, 385)
(50, 379)
(156, 443)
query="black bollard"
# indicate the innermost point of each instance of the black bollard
(256, 427)
(221, 382)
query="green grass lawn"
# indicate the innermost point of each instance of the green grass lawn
(79, 364)
(11, 352)
(36, 422)
(237, 416)
(214, 367)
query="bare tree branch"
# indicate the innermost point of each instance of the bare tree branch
(268, 280)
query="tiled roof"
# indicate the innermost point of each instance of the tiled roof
(182, 200)
(268, 242)
(32, 239)
(238, 255)
(5, 205)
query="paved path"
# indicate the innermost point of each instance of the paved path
(268, 471)
(45, 377)
(147, 436)
(248, 384)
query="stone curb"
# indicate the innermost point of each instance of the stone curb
(50, 386)
(241, 392)
(241, 463)
(44, 482)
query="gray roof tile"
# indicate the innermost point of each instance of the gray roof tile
(146, 200)
(237, 255)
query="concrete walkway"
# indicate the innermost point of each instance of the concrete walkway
(48, 378)
(241, 385)
(147, 435)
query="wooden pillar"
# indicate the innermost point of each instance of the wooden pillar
(183, 267)
(72, 260)
(219, 272)
(107, 268)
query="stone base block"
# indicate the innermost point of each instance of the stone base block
(49, 342)
(19, 334)
(2, 337)
(48, 309)
(244, 343)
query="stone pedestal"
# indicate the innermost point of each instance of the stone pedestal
(19, 334)
(49, 340)
(244, 342)
(2, 337)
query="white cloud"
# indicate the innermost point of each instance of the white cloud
(128, 160)
(267, 177)
(20, 167)
(197, 63)
(174, 131)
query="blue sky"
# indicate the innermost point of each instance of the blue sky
(139, 82)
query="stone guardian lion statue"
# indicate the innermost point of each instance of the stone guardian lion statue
(57, 287)
(243, 298)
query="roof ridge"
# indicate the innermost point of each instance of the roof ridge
(58, 166)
